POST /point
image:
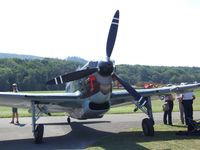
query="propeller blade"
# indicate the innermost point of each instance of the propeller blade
(112, 34)
(131, 90)
(72, 76)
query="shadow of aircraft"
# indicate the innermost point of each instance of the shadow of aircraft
(79, 137)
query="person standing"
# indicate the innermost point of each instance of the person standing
(168, 113)
(187, 101)
(181, 108)
(14, 110)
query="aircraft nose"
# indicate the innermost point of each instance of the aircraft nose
(100, 97)
(105, 89)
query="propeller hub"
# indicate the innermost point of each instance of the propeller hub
(106, 68)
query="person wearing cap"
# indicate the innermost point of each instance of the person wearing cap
(14, 110)
(187, 101)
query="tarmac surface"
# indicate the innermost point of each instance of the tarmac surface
(58, 134)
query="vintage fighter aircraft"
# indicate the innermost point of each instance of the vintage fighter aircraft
(89, 93)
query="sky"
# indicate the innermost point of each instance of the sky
(151, 32)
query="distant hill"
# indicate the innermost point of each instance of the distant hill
(20, 56)
(76, 59)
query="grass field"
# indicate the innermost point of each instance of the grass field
(156, 106)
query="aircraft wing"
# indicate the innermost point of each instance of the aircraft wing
(122, 97)
(23, 99)
(72, 100)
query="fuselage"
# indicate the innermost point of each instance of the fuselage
(95, 93)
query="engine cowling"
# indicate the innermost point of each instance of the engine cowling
(91, 110)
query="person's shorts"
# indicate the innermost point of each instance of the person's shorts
(14, 110)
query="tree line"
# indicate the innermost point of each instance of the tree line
(135, 74)
(33, 74)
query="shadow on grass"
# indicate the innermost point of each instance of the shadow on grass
(180, 126)
(136, 139)
(78, 136)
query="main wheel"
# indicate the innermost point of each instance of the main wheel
(147, 126)
(38, 133)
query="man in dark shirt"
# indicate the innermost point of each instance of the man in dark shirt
(168, 113)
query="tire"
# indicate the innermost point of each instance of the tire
(147, 126)
(38, 133)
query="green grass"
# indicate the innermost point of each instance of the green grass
(6, 112)
(165, 138)
(156, 106)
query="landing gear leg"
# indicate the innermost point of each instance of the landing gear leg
(147, 123)
(37, 130)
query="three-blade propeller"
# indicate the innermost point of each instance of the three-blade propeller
(104, 68)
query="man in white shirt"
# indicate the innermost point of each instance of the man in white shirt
(187, 101)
